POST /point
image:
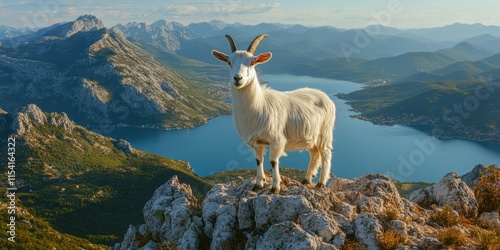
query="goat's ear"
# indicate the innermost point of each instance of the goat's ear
(219, 55)
(262, 58)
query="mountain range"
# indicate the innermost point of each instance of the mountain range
(81, 189)
(162, 74)
(99, 78)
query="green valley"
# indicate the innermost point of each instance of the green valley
(80, 182)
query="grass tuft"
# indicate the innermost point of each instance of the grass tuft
(391, 240)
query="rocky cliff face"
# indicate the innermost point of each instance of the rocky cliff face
(65, 30)
(29, 115)
(362, 210)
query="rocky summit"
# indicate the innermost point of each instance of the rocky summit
(361, 213)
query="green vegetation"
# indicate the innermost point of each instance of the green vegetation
(406, 188)
(83, 185)
(466, 109)
(35, 233)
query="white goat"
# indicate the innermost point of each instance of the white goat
(302, 118)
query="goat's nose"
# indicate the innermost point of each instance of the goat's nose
(238, 77)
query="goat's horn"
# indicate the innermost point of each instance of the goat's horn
(232, 43)
(255, 43)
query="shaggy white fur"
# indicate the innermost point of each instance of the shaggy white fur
(303, 118)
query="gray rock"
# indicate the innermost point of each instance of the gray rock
(368, 228)
(372, 193)
(430, 243)
(130, 239)
(472, 176)
(191, 238)
(169, 213)
(287, 235)
(61, 120)
(320, 225)
(423, 197)
(125, 146)
(450, 190)
(233, 216)
(151, 245)
(83, 23)
(224, 231)
(169, 217)
(398, 227)
(490, 221)
(28, 116)
(269, 210)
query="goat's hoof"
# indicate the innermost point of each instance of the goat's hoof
(320, 185)
(275, 190)
(257, 187)
(305, 182)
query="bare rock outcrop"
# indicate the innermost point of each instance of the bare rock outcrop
(450, 190)
(125, 146)
(28, 116)
(472, 177)
(233, 216)
(490, 221)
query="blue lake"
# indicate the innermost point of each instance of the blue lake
(359, 146)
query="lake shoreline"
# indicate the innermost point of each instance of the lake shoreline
(360, 147)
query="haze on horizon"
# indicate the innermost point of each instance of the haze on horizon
(341, 14)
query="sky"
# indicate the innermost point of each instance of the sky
(341, 14)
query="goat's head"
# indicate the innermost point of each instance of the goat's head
(242, 63)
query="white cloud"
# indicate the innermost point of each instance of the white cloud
(216, 8)
(71, 10)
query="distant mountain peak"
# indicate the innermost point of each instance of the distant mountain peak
(218, 24)
(82, 23)
(88, 17)
(458, 24)
(466, 45)
(167, 25)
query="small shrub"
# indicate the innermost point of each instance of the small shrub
(391, 240)
(487, 190)
(452, 237)
(487, 240)
(445, 217)
(350, 244)
(168, 246)
(197, 204)
(391, 214)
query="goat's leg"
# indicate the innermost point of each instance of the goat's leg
(274, 156)
(326, 155)
(314, 162)
(259, 152)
